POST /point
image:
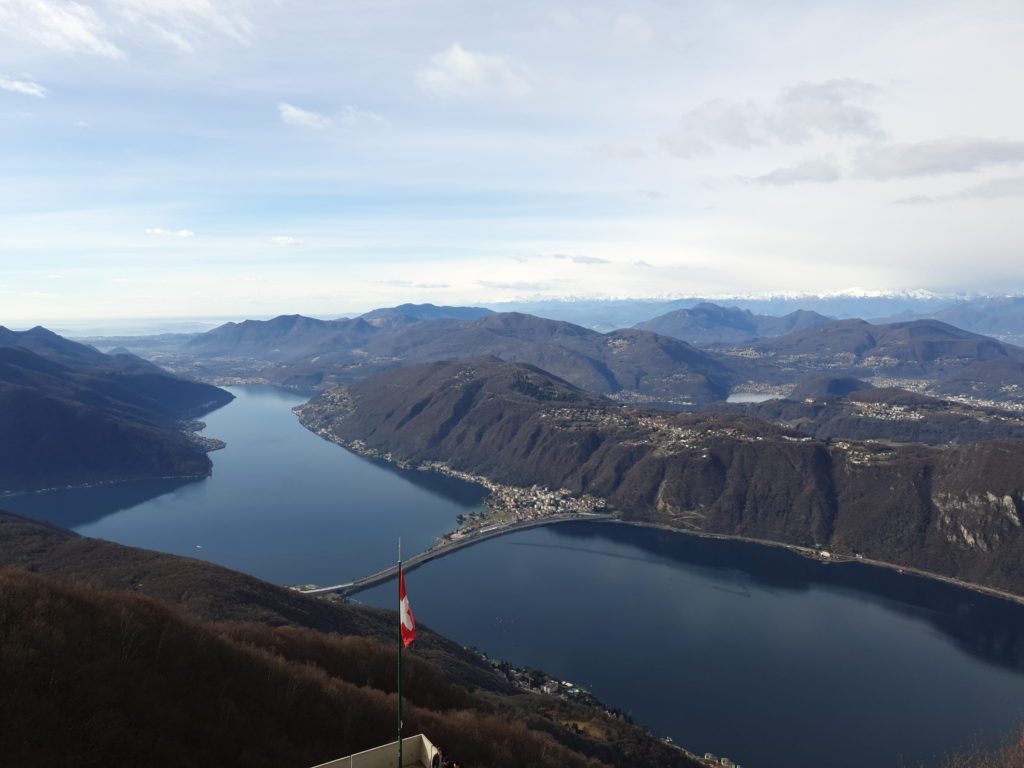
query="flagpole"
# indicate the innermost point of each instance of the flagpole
(400, 644)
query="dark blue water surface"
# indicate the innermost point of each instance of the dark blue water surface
(755, 653)
(282, 503)
(751, 652)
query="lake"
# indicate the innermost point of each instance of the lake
(281, 504)
(750, 397)
(754, 653)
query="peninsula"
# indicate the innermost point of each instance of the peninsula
(953, 511)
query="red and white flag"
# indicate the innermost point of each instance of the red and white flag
(405, 613)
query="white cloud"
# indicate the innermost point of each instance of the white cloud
(957, 154)
(460, 73)
(988, 190)
(798, 114)
(815, 169)
(295, 116)
(630, 30)
(286, 241)
(183, 22)
(355, 117)
(715, 122)
(824, 107)
(619, 150)
(170, 233)
(411, 284)
(88, 28)
(581, 259)
(61, 26)
(519, 286)
(27, 87)
(994, 188)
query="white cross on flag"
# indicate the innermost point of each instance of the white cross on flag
(405, 612)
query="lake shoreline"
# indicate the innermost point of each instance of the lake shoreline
(372, 580)
(814, 554)
(102, 484)
(359, 448)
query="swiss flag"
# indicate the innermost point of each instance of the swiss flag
(405, 613)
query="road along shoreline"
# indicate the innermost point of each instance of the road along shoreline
(500, 529)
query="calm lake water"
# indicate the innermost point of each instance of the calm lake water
(773, 660)
(282, 503)
(750, 397)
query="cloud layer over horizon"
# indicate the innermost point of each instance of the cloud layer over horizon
(459, 154)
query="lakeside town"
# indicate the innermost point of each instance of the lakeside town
(504, 505)
(509, 505)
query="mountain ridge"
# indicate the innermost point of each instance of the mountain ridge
(955, 511)
(635, 362)
(71, 415)
(708, 323)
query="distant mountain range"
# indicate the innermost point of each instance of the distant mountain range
(413, 312)
(946, 359)
(1000, 317)
(711, 324)
(957, 511)
(608, 314)
(70, 414)
(651, 363)
(299, 351)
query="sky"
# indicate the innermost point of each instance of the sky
(176, 158)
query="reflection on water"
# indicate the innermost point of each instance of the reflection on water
(772, 659)
(441, 486)
(281, 503)
(76, 507)
(775, 660)
(750, 397)
(989, 628)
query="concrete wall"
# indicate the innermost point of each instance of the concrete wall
(416, 751)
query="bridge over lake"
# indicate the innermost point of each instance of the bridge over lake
(440, 550)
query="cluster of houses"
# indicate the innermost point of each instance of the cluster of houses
(723, 762)
(660, 431)
(507, 504)
(535, 502)
(887, 412)
(529, 679)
